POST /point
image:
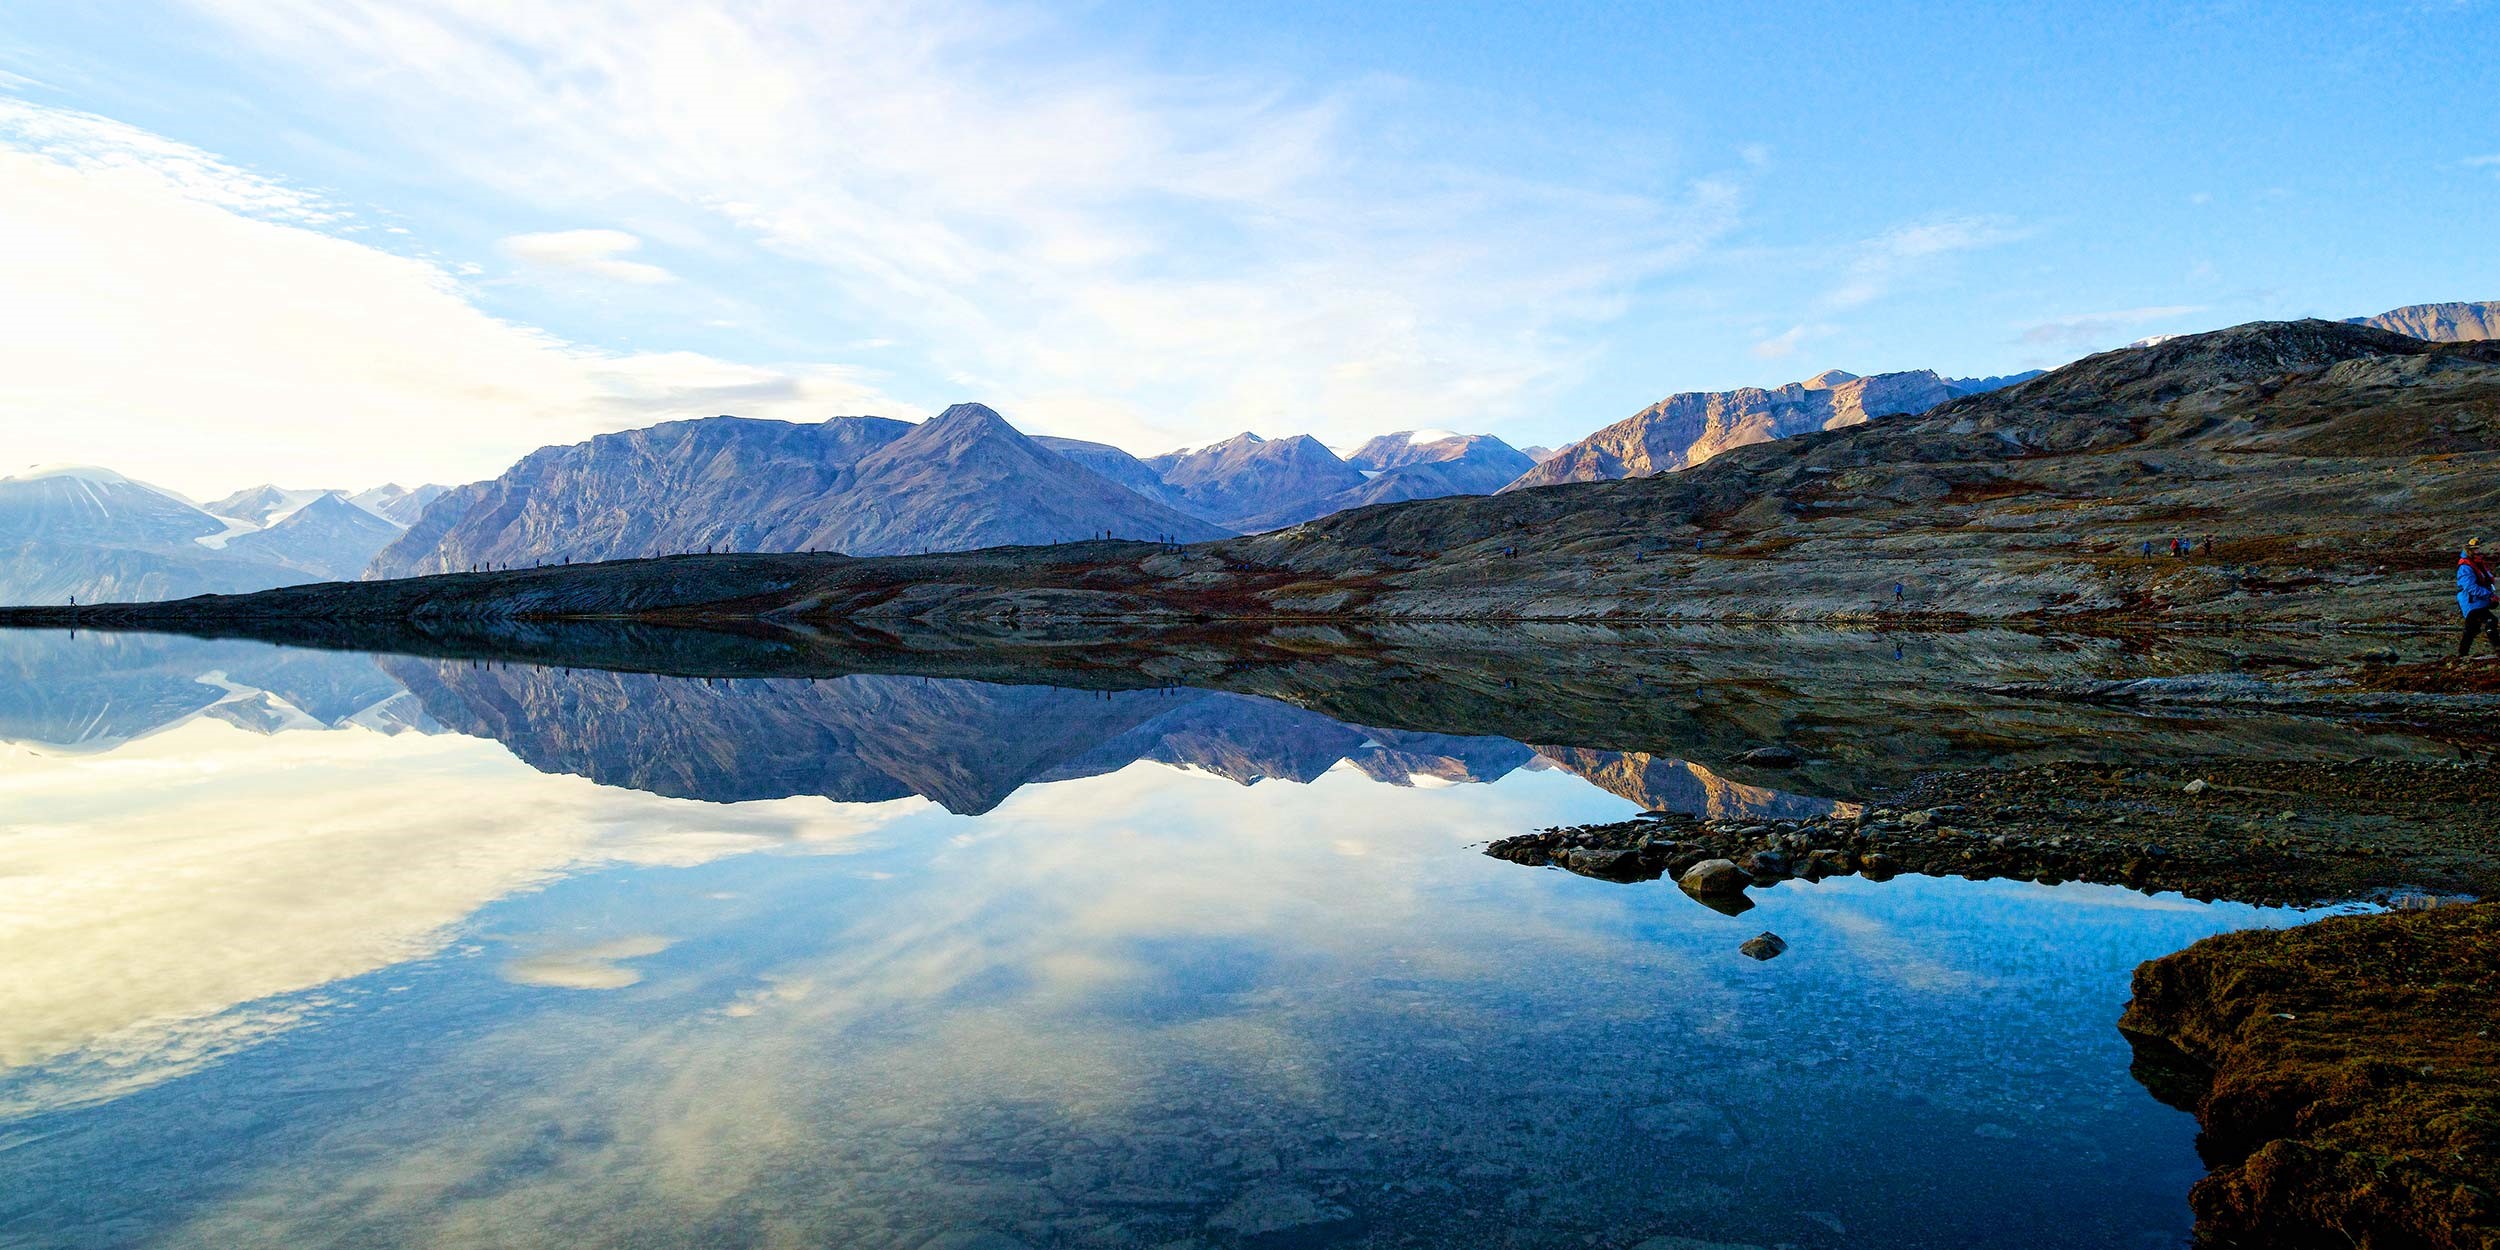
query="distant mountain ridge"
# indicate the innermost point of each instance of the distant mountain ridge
(2439, 323)
(1399, 467)
(1245, 478)
(857, 485)
(327, 537)
(1690, 427)
(89, 534)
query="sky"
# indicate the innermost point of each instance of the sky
(339, 242)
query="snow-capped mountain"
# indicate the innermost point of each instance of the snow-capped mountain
(88, 534)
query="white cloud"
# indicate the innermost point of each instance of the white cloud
(193, 324)
(1098, 246)
(595, 252)
(2087, 329)
(1783, 345)
(1906, 253)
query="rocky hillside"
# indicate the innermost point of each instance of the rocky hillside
(1686, 429)
(2440, 323)
(860, 485)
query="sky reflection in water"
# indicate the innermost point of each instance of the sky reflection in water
(385, 984)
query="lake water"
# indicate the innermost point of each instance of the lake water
(306, 949)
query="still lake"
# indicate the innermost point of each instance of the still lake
(304, 949)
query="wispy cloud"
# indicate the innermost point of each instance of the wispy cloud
(106, 149)
(261, 327)
(599, 253)
(2491, 162)
(1098, 243)
(1908, 253)
(2080, 330)
(1783, 345)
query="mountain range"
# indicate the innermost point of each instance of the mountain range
(89, 534)
(2440, 323)
(1688, 428)
(2321, 469)
(872, 486)
(857, 485)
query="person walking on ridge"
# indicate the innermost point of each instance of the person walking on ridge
(2475, 596)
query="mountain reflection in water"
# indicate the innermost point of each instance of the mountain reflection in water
(309, 949)
(966, 745)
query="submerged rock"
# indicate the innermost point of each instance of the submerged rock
(1279, 1214)
(1767, 946)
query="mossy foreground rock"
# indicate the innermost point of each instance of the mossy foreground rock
(2346, 1075)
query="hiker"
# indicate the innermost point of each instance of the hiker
(2475, 596)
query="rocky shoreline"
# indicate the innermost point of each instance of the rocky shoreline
(2345, 1074)
(2257, 831)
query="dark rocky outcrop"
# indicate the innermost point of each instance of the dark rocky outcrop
(2346, 1076)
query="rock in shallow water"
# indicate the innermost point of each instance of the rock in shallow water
(1714, 878)
(1767, 946)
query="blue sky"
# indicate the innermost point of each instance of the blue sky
(331, 242)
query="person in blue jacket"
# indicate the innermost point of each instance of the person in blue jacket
(2475, 596)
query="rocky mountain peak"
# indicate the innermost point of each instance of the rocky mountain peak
(977, 416)
(1688, 428)
(2454, 322)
